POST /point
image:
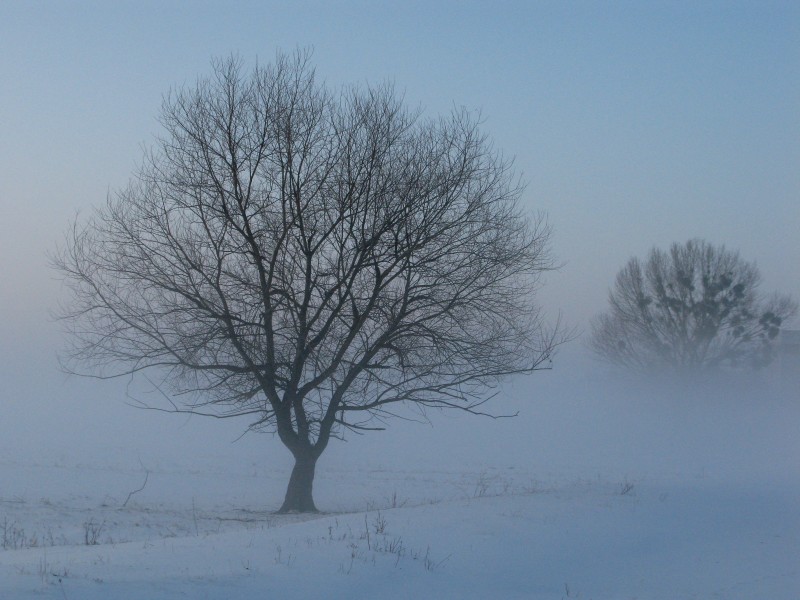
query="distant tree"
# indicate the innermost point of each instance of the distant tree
(695, 307)
(309, 260)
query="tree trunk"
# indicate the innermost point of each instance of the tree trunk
(299, 494)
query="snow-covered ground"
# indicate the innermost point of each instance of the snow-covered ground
(594, 491)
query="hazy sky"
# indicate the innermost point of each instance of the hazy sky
(634, 124)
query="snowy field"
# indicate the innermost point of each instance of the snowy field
(594, 491)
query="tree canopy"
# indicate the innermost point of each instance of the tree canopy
(694, 307)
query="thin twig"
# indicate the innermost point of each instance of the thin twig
(146, 476)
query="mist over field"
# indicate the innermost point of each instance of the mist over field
(590, 422)
(571, 424)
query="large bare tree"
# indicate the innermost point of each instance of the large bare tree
(309, 260)
(693, 308)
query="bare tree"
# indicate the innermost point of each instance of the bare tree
(693, 308)
(309, 260)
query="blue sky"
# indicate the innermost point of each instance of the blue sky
(634, 124)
